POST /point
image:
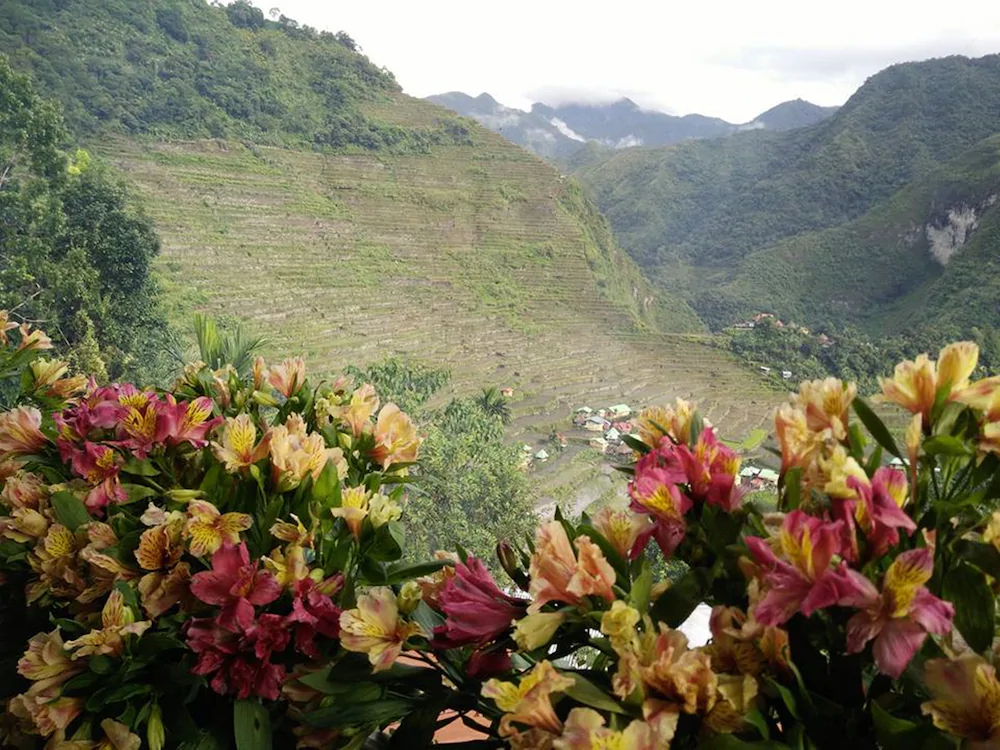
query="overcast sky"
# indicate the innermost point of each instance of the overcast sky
(727, 58)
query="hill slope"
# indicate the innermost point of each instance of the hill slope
(908, 260)
(692, 212)
(413, 233)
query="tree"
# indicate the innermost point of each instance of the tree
(494, 403)
(75, 248)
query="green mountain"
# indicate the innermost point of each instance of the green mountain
(789, 115)
(925, 257)
(694, 213)
(295, 188)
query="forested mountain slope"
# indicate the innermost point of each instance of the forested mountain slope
(691, 213)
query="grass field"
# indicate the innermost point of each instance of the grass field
(477, 258)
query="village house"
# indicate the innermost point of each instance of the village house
(612, 435)
(620, 411)
(507, 392)
(600, 443)
(596, 424)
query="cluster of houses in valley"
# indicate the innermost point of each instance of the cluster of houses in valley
(608, 426)
(755, 478)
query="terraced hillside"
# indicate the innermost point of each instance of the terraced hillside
(482, 258)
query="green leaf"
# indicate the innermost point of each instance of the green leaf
(137, 492)
(677, 603)
(139, 468)
(893, 733)
(791, 486)
(975, 609)
(729, 742)
(70, 510)
(251, 725)
(697, 426)
(584, 691)
(875, 426)
(326, 489)
(636, 444)
(387, 544)
(947, 445)
(639, 595)
(786, 695)
(400, 572)
(984, 556)
(378, 712)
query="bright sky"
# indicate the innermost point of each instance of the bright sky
(726, 58)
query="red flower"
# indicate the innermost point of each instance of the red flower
(239, 662)
(484, 663)
(98, 465)
(236, 586)
(475, 609)
(314, 612)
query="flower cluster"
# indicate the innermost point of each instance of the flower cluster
(226, 557)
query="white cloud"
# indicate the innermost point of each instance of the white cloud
(566, 130)
(733, 60)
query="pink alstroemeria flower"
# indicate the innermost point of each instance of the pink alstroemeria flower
(313, 611)
(655, 492)
(711, 470)
(239, 662)
(899, 618)
(800, 577)
(235, 585)
(98, 465)
(880, 509)
(475, 609)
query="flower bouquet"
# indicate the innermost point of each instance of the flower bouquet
(220, 565)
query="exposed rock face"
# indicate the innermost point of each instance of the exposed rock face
(946, 240)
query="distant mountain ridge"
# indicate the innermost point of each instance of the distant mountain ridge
(557, 132)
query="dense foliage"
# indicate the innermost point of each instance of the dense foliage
(217, 565)
(471, 491)
(187, 68)
(75, 249)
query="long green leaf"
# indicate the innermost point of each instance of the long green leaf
(251, 725)
(70, 510)
(975, 609)
(584, 691)
(875, 426)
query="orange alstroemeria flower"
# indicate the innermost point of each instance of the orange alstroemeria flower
(357, 413)
(117, 622)
(288, 377)
(559, 575)
(20, 431)
(396, 439)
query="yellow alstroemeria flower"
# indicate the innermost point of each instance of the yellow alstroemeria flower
(396, 439)
(656, 422)
(161, 546)
(208, 529)
(296, 454)
(915, 384)
(536, 630)
(585, 730)
(47, 659)
(528, 702)
(238, 447)
(619, 624)
(117, 621)
(357, 413)
(837, 469)
(375, 628)
(966, 700)
(289, 567)
(621, 527)
(353, 509)
(825, 404)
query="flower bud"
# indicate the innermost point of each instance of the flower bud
(183, 496)
(264, 399)
(509, 561)
(409, 597)
(155, 733)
